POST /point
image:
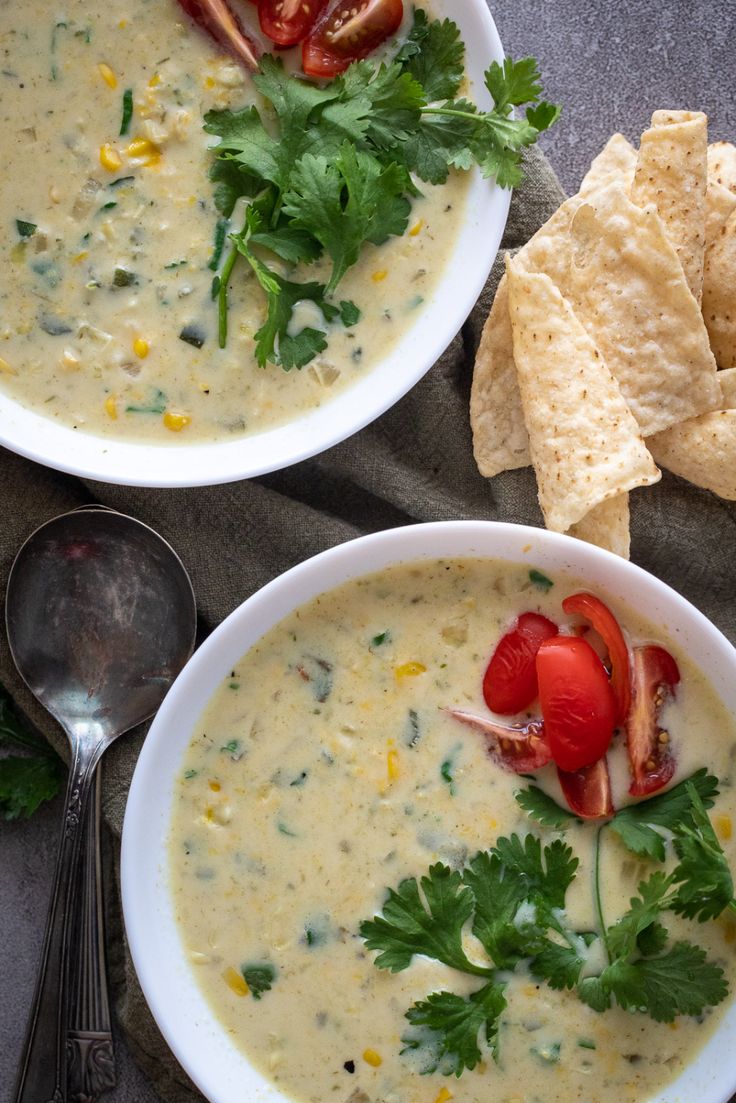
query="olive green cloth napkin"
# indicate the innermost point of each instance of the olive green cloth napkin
(413, 464)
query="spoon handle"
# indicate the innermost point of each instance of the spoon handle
(90, 1056)
(42, 1073)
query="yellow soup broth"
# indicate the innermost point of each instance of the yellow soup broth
(107, 322)
(325, 770)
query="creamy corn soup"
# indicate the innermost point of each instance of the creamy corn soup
(325, 770)
(108, 241)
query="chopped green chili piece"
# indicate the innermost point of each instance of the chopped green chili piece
(25, 229)
(540, 580)
(123, 278)
(192, 336)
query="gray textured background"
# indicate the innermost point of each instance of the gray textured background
(610, 64)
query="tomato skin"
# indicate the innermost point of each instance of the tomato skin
(510, 680)
(588, 791)
(651, 760)
(287, 22)
(600, 616)
(217, 18)
(347, 31)
(578, 705)
(520, 749)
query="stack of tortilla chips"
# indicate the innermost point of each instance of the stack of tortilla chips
(611, 345)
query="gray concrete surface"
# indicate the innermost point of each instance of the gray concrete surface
(610, 63)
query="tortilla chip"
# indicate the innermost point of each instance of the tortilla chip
(616, 163)
(607, 525)
(719, 294)
(719, 204)
(584, 441)
(727, 380)
(626, 285)
(500, 441)
(671, 173)
(722, 165)
(702, 450)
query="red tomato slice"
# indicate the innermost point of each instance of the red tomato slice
(510, 680)
(287, 22)
(349, 30)
(606, 625)
(578, 705)
(650, 756)
(520, 749)
(216, 17)
(588, 791)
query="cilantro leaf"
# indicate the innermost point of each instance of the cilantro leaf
(545, 875)
(231, 180)
(703, 875)
(438, 61)
(259, 978)
(514, 83)
(274, 342)
(680, 982)
(539, 806)
(637, 823)
(438, 142)
(408, 926)
(377, 106)
(289, 242)
(26, 781)
(623, 937)
(450, 1026)
(516, 889)
(561, 965)
(347, 203)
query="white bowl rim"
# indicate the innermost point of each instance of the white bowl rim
(177, 464)
(708, 1078)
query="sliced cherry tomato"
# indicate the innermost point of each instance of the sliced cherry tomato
(349, 30)
(287, 22)
(606, 625)
(578, 706)
(520, 749)
(650, 755)
(217, 18)
(588, 791)
(510, 680)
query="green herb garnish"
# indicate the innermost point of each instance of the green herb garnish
(26, 780)
(513, 897)
(127, 111)
(333, 167)
(259, 978)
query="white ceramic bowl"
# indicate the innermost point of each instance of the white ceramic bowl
(190, 1027)
(442, 315)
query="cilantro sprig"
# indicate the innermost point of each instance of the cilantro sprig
(513, 899)
(322, 170)
(29, 779)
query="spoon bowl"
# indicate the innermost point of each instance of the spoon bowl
(100, 618)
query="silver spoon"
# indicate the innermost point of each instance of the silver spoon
(100, 617)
